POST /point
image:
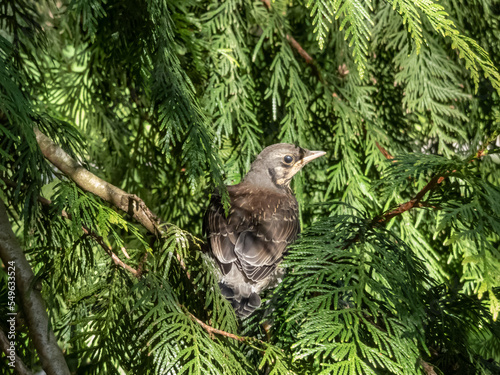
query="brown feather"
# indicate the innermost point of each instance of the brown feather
(249, 244)
(245, 237)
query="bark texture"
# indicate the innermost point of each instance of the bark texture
(32, 303)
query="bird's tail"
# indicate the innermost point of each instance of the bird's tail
(244, 304)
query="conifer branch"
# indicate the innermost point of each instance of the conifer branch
(100, 242)
(384, 152)
(33, 305)
(86, 180)
(415, 202)
(403, 207)
(211, 330)
(108, 250)
(301, 51)
(19, 366)
(88, 232)
(129, 203)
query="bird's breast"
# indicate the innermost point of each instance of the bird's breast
(263, 204)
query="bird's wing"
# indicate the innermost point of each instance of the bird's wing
(260, 248)
(254, 235)
(222, 232)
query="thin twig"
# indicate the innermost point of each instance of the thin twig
(100, 242)
(301, 51)
(141, 264)
(124, 251)
(183, 265)
(268, 4)
(416, 201)
(212, 330)
(428, 368)
(384, 152)
(109, 251)
(385, 217)
(87, 231)
(425, 204)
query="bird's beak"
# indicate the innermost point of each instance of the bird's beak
(311, 155)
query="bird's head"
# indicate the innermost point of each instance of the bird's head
(278, 163)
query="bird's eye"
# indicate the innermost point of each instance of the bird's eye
(288, 159)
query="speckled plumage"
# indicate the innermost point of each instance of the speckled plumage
(249, 244)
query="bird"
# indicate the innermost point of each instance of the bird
(250, 242)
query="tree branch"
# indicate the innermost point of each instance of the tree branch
(129, 203)
(89, 182)
(19, 366)
(87, 231)
(109, 251)
(302, 52)
(415, 202)
(140, 267)
(34, 309)
(309, 60)
(427, 367)
(212, 330)
(101, 243)
(384, 151)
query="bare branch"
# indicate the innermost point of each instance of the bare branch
(124, 251)
(101, 243)
(428, 368)
(302, 52)
(140, 267)
(19, 366)
(109, 251)
(415, 202)
(129, 203)
(34, 309)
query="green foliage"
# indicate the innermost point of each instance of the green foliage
(230, 93)
(396, 270)
(340, 287)
(469, 215)
(354, 15)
